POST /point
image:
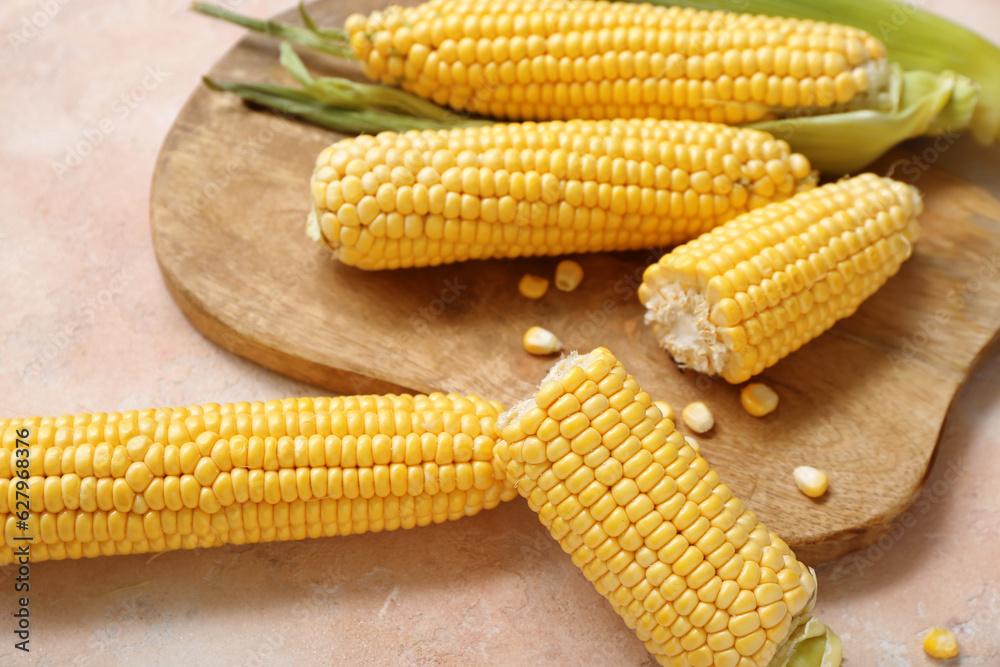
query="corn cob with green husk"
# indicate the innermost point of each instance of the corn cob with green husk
(642, 514)
(520, 189)
(156, 480)
(559, 59)
(827, 88)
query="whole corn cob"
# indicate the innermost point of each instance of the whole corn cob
(560, 59)
(824, 87)
(508, 190)
(694, 573)
(737, 300)
(157, 480)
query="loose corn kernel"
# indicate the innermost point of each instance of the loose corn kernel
(654, 553)
(758, 399)
(235, 474)
(940, 643)
(568, 275)
(811, 481)
(541, 341)
(698, 417)
(532, 287)
(555, 188)
(765, 283)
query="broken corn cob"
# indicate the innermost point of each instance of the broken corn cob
(740, 298)
(694, 573)
(508, 190)
(157, 480)
(559, 59)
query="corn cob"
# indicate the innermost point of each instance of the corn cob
(560, 59)
(924, 44)
(740, 298)
(694, 573)
(207, 475)
(949, 83)
(508, 190)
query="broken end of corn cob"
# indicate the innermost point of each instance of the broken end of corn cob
(312, 227)
(738, 299)
(646, 519)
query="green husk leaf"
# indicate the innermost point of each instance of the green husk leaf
(346, 93)
(811, 644)
(347, 120)
(334, 42)
(838, 143)
(916, 39)
(337, 34)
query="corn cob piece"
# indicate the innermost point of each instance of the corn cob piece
(207, 475)
(694, 573)
(559, 59)
(507, 190)
(749, 293)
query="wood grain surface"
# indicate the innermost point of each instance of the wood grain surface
(865, 402)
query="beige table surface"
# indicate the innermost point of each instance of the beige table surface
(86, 324)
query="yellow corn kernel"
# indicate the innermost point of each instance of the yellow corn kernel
(811, 481)
(210, 486)
(698, 417)
(758, 399)
(767, 282)
(667, 570)
(665, 409)
(532, 287)
(569, 274)
(571, 58)
(940, 643)
(541, 341)
(583, 186)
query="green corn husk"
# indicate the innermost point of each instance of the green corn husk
(925, 104)
(949, 81)
(344, 92)
(328, 40)
(916, 39)
(342, 105)
(346, 119)
(811, 644)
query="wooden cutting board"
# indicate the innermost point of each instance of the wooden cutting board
(866, 402)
